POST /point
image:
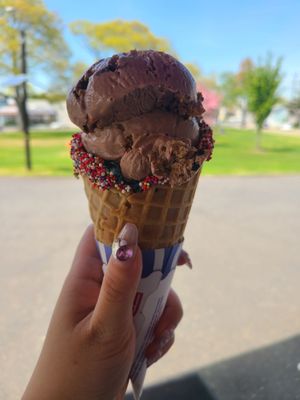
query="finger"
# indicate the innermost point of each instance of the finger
(161, 351)
(171, 315)
(122, 393)
(167, 323)
(87, 262)
(184, 258)
(82, 285)
(119, 286)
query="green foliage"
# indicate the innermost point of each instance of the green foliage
(63, 84)
(229, 89)
(46, 48)
(234, 85)
(77, 70)
(246, 66)
(262, 83)
(118, 36)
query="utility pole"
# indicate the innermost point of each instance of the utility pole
(23, 99)
(21, 90)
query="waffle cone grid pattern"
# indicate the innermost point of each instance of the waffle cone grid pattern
(160, 213)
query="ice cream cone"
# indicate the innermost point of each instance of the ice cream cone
(160, 213)
(142, 136)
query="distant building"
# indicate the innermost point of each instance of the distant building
(40, 112)
(279, 118)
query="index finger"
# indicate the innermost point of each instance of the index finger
(87, 263)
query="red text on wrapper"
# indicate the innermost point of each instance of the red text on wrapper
(136, 303)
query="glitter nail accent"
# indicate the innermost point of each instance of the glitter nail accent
(124, 253)
(121, 250)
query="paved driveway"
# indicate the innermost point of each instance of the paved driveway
(243, 293)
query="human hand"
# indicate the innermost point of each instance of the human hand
(90, 343)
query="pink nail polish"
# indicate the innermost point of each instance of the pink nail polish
(124, 252)
(125, 246)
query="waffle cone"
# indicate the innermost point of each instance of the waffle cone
(160, 213)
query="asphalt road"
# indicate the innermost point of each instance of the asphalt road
(243, 293)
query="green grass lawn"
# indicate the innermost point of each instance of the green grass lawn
(234, 154)
(50, 154)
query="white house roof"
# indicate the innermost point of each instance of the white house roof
(35, 107)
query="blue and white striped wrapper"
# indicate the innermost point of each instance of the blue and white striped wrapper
(157, 273)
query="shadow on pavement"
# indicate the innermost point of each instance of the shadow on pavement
(269, 373)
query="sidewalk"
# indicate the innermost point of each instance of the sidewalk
(243, 293)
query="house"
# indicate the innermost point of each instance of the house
(40, 112)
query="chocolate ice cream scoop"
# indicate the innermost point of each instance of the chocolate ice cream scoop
(130, 84)
(111, 142)
(158, 155)
(140, 109)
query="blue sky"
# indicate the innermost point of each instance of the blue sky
(216, 35)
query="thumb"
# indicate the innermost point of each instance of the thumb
(114, 306)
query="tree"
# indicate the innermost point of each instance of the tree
(118, 36)
(31, 42)
(294, 109)
(246, 67)
(63, 83)
(233, 88)
(229, 89)
(262, 83)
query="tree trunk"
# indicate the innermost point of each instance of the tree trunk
(244, 117)
(244, 109)
(25, 127)
(258, 138)
(298, 121)
(22, 102)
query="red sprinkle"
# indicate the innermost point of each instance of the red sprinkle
(104, 178)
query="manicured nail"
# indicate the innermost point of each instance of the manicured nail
(186, 258)
(125, 246)
(189, 262)
(162, 346)
(165, 339)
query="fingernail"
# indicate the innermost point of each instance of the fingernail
(189, 262)
(166, 339)
(125, 246)
(187, 259)
(154, 359)
(163, 344)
